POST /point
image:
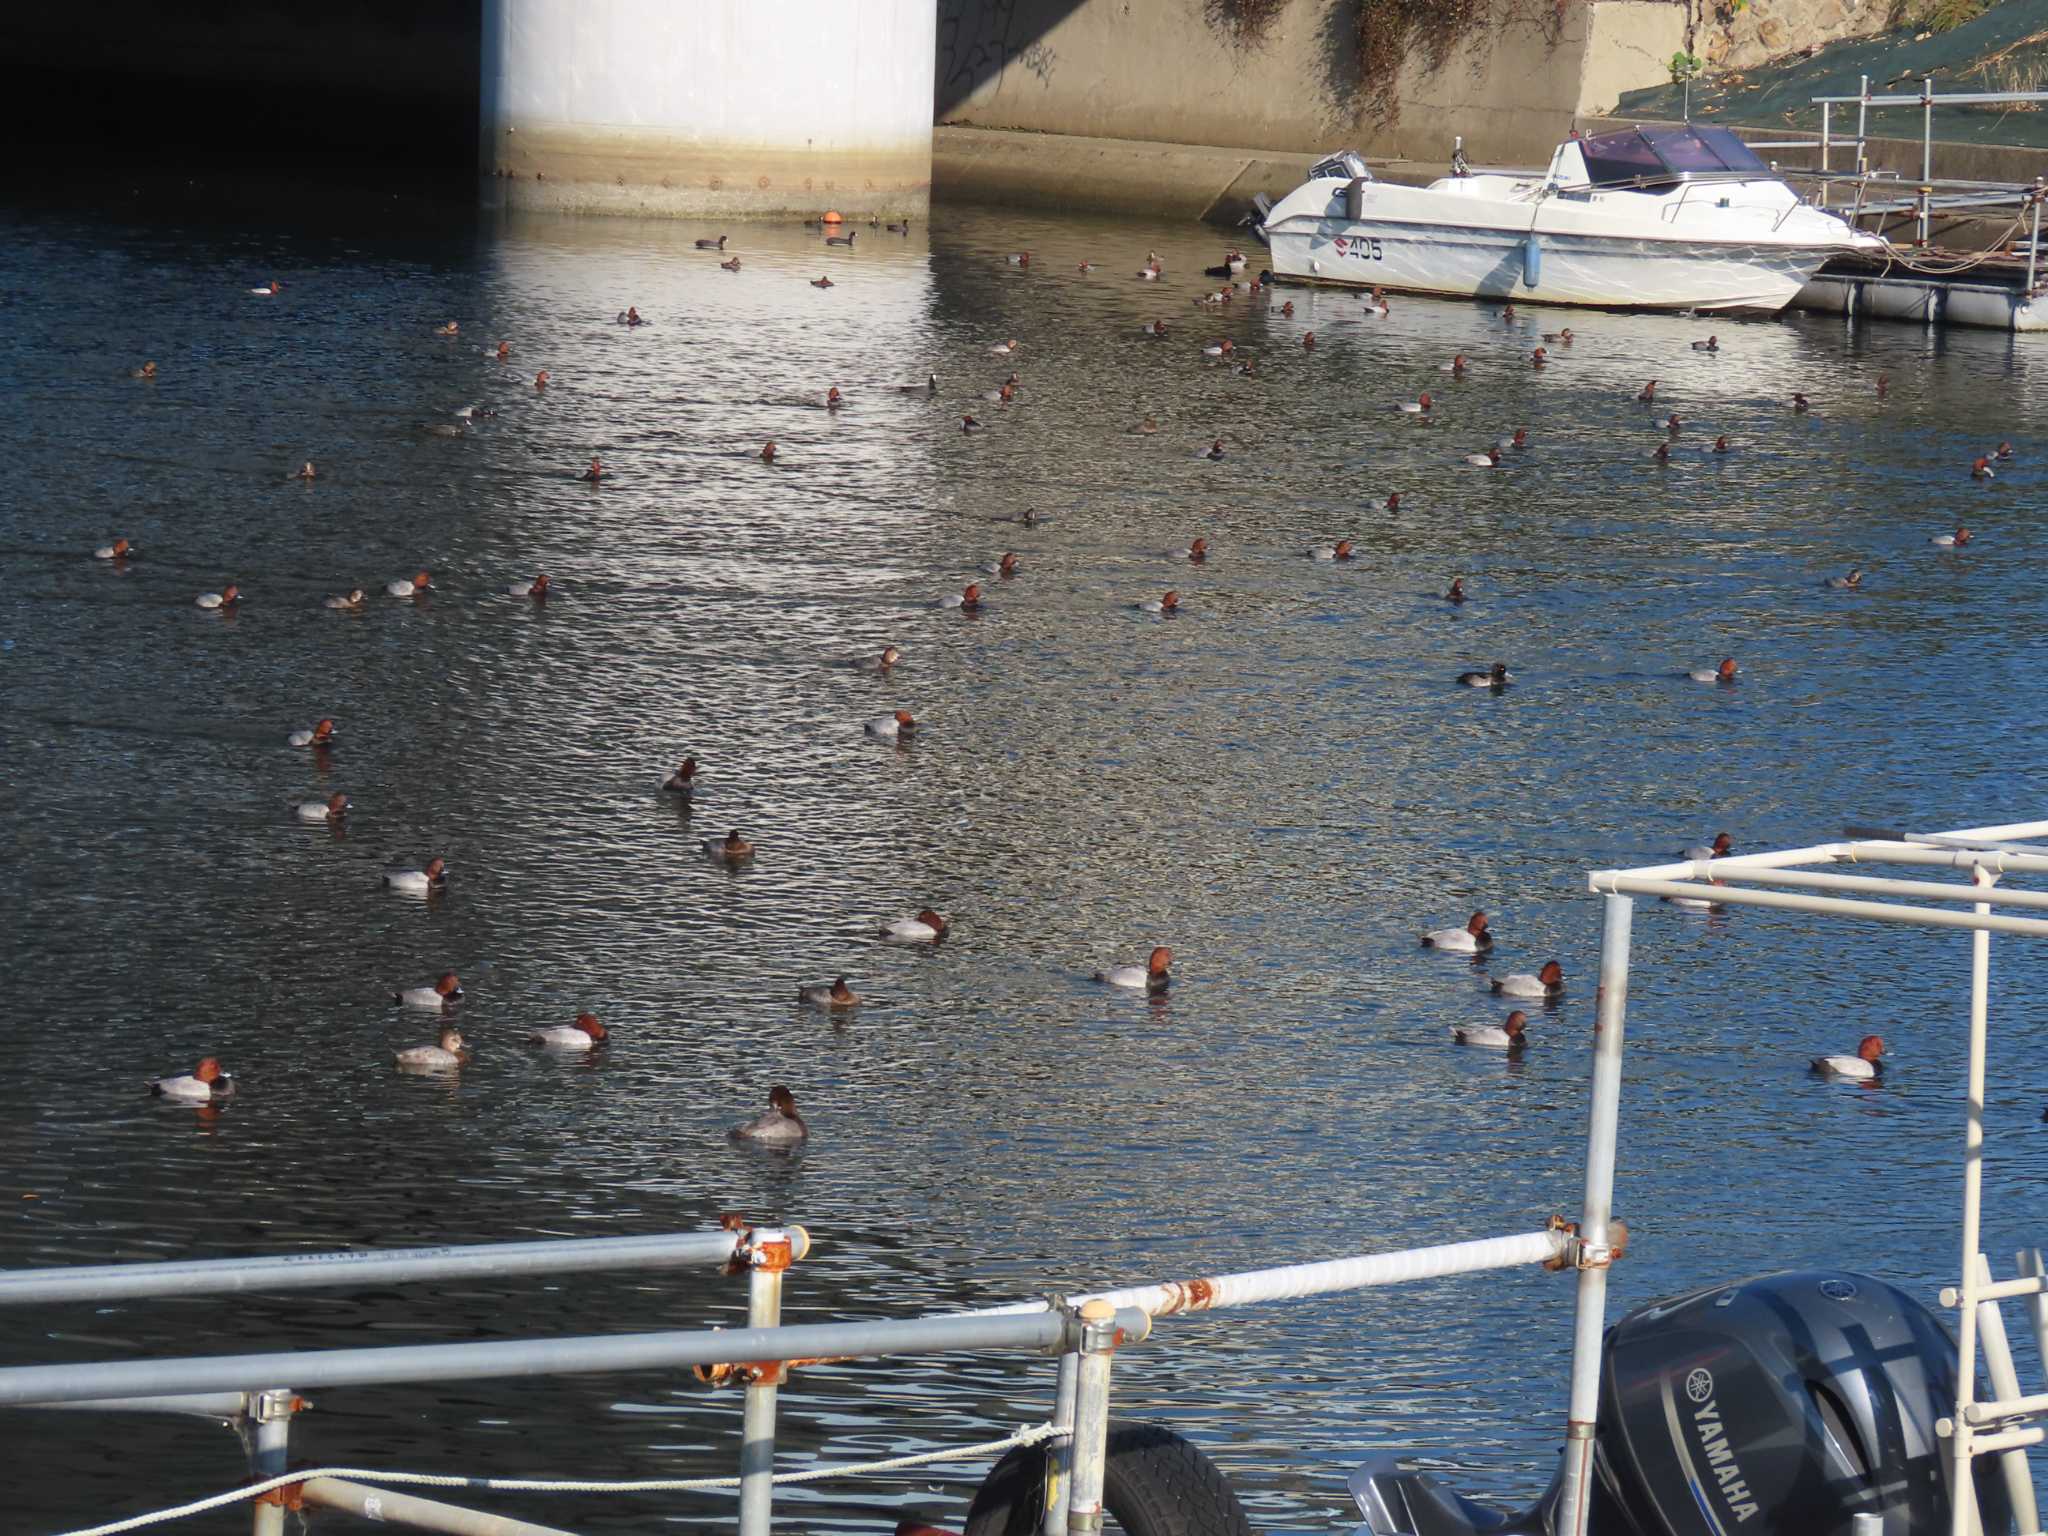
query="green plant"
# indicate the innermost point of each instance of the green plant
(1389, 32)
(1684, 66)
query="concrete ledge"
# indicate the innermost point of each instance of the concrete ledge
(1067, 173)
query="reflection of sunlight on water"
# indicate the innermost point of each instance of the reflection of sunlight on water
(1282, 783)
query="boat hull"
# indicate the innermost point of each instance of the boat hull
(1598, 271)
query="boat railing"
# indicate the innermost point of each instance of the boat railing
(1083, 1331)
(1784, 880)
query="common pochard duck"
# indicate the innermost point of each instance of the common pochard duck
(146, 371)
(503, 351)
(1954, 540)
(1711, 344)
(1516, 443)
(227, 597)
(1213, 451)
(929, 387)
(1487, 460)
(1495, 676)
(1849, 583)
(1512, 1035)
(821, 282)
(1198, 551)
(1720, 445)
(1539, 359)
(925, 928)
(767, 453)
(1006, 567)
(1308, 340)
(1419, 406)
(1649, 392)
(730, 849)
(420, 584)
(270, 289)
(586, 1034)
(596, 473)
(969, 424)
(333, 810)
(888, 658)
(419, 882)
(1341, 550)
(204, 1084)
(1456, 594)
(1673, 425)
(967, 599)
(1980, 469)
(1221, 348)
(2002, 452)
(1864, 1066)
(540, 380)
(1723, 673)
(1801, 404)
(1662, 455)
(120, 549)
(778, 1125)
(684, 780)
(1152, 270)
(306, 471)
(434, 998)
(537, 589)
(450, 329)
(1720, 848)
(1153, 976)
(448, 1054)
(1456, 367)
(892, 727)
(318, 735)
(1561, 338)
(1546, 983)
(1167, 603)
(1005, 348)
(1084, 267)
(1472, 939)
(836, 997)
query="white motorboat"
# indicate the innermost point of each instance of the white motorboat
(1674, 217)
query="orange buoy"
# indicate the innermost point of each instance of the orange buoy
(833, 218)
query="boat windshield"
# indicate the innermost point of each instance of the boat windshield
(1659, 156)
(1345, 165)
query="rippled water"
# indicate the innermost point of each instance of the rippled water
(1281, 783)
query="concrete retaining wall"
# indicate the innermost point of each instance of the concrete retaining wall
(1171, 71)
(719, 107)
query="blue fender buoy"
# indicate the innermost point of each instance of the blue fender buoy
(1532, 262)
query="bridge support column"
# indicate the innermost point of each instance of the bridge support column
(716, 108)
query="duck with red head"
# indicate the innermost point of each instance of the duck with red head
(540, 380)
(1954, 540)
(925, 928)
(333, 810)
(730, 849)
(888, 658)
(120, 549)
(2002, 453)
(836, 998)
(683, 782)
(967, 599)
(1510, 1036)
(1865, 1066)
(595, 473)
(1213, 451)
(319, 737)
(1472, 939)
(1724, 673)
(1419, 406)
(1151, 977)
(204, 1084)
(777, 1126)
(1539, 358)
(1456, 594)
(1980, 469)
(586, 1034)
(1547, 983)
(1649, 392)
(430, 881)
(1198, 551)
(1341, 550)
(419, 586)
(1168, 603)
(436, 998)
(894, 727)
(1720, 445)
(537, 589)
(224, 600)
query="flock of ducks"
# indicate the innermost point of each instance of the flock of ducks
(781, 1125)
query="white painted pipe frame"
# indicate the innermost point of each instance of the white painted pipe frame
(1963, 1520)
(1912, 890)
(1983, 920)
(2005, 1382)
(757, 1432)
(1602, 1135)
(382, 1504)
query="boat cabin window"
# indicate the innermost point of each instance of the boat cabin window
(1345, 165)
(1653, 157)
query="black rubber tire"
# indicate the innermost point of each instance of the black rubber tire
(1154, 1484)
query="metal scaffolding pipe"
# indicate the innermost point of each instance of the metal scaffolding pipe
(226, 1406)
(1870, 885)
(1964, 1519)
(1059, 1450)
(1610, 882)
(757, 1434)
(1091, 1420)
(305, 1271)
(408, 1509)
(270, 1453)
(1602, 1137)
(575, 1355)
(2005, 1382)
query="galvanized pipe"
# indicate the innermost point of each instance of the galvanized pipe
(1962, 1487)
(226, 1406)
(271, 1412)
(1983, 920)
(757, 1438)
(1315, 1279)
(1059, 1451)
(305, 1271)
(2031, 1267)
(1862, 129)
(1091, 1420)
(526, 1357)
(2005, 1382)
(382, 1504)
(1603, 1132)
(1871, 885)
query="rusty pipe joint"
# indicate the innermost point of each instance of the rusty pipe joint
(1576, 1253)
(768, 1248)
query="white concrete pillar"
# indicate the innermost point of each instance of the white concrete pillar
(701, 108)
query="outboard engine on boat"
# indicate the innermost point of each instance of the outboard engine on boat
(1782, 1405)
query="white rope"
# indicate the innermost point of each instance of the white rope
(1031, 1436)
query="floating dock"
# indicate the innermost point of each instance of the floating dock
(1997, 292)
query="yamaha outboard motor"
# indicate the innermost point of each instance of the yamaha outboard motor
(1778, 1406)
